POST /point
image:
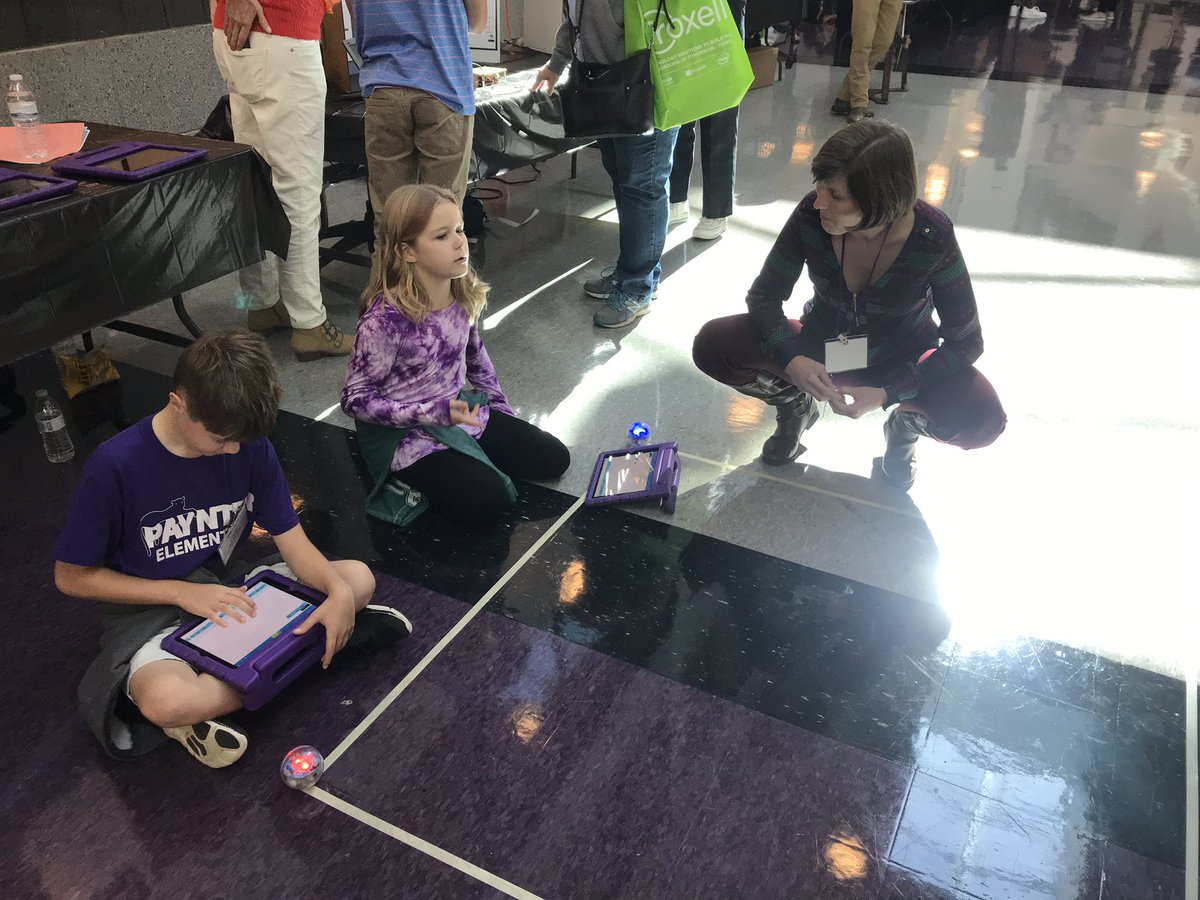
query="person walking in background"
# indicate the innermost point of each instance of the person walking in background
(269, 53)
(872, 31)
(718, 162)
(420, 91)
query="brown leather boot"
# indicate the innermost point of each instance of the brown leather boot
(264, 321)
(324, 340)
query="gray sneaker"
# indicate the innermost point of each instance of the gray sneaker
(605, 284)
(620, 309)
(601, 286)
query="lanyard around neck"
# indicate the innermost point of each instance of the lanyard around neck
(870, 275)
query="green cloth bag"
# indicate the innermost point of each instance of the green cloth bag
(698, 60)
(393, 501)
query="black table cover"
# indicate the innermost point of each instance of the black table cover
(72, 263)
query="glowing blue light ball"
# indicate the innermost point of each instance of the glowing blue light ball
(639, 431)
(302, 767)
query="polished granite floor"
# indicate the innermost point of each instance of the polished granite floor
(802, 684)
(1148, 46)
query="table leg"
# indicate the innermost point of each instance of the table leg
(184, 317)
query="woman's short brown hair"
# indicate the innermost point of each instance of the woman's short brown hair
(876, 159)
(230, 385)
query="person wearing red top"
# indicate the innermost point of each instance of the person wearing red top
(268, 52)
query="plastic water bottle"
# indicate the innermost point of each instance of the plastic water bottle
(53, 428)
(22, 109)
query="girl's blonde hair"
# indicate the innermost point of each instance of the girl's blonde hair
(405, 215)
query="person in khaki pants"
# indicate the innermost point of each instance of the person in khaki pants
(872, 31)
(420, 90)
(268, 52)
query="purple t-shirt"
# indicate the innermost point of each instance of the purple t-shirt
(142, 510)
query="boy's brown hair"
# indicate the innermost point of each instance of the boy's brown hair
(876, 159)
(230, 385)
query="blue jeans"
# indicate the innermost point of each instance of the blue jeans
(639, 168)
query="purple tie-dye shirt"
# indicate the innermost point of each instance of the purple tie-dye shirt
(404, 374)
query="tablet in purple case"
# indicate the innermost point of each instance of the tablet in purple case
(636, 473)
(19, 188)
(261, 656)
(128, 160)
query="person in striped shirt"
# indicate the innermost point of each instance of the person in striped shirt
(885, 266)
(420, 91)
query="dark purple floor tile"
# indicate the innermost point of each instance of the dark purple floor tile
(213, 835)
(573, 774)
(962, 840)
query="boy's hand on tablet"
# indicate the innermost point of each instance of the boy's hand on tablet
(462, 413)
(336, 613)
(209, 601)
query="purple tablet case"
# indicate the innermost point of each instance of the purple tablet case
(89, 163)
(663, 485)
(53, 187)
(273, 666)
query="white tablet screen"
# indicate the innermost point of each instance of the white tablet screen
(238, 641)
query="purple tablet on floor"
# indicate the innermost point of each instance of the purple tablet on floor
(19, 188)
(261, 656)
(636, 473)
(128, 161)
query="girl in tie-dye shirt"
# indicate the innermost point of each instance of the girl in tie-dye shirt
(418, 346)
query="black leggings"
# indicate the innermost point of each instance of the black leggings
(463, 488)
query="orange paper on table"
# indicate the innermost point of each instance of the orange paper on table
(62, 139)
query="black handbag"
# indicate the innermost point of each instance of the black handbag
(607, 100)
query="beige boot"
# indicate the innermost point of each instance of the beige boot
(264, 321)
(324, 340)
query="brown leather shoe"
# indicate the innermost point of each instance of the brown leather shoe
(324, 340)
(264, 321)
(858, 114)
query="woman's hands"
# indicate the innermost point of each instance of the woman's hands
(852, 402)
(810, 376)
(462, 413)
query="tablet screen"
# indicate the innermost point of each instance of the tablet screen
(141, 159)
(15, 187)
(625, 473)
(238, 641)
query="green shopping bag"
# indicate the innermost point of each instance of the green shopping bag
(698, 60)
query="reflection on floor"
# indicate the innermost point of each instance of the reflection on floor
(1147, 46)
(802, 684)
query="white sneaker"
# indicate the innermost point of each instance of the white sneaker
(215, 742)
(679, 213)
(1096, 18)
(708, 229)
(1028, 13)
(1014, 11)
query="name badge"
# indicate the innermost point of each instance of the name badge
(845, 354)
(233, 534)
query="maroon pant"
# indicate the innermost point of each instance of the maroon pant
(962, 410)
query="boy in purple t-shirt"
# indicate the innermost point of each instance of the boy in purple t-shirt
(144, 533)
